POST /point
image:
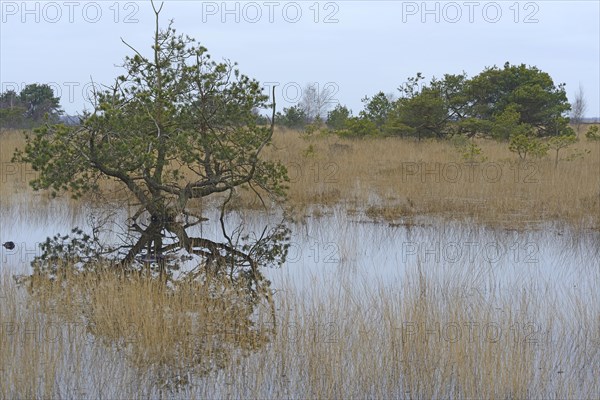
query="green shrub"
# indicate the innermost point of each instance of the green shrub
(359, 127)
(525, 145)
(592, 133)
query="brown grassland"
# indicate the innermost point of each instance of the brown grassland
(418, 335)
(397, 179)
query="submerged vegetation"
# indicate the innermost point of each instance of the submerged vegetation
(428, 332)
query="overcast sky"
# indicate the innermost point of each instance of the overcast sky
(352, 48)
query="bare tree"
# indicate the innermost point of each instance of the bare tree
(315, 103)
(578, 108)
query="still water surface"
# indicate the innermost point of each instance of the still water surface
(337, 244)
(550, 262)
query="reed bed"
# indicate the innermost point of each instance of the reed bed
(396, 179)
(418, 335)
(393, 179)
(465, 329)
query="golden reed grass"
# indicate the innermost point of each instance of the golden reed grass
(415, 336)
(396, 179)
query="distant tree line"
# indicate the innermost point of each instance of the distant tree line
(497, 103)
(29, 108)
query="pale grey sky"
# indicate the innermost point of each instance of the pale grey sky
(355, 48)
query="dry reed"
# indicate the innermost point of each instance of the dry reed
(416, 336)
(396, 179)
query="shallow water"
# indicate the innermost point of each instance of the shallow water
(554, 264)
(324, 248)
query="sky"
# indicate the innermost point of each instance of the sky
(352, 49)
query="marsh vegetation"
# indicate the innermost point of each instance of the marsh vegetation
(173, 244)
(378, 297)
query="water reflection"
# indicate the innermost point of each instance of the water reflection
(325, 247)
(522, 277)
